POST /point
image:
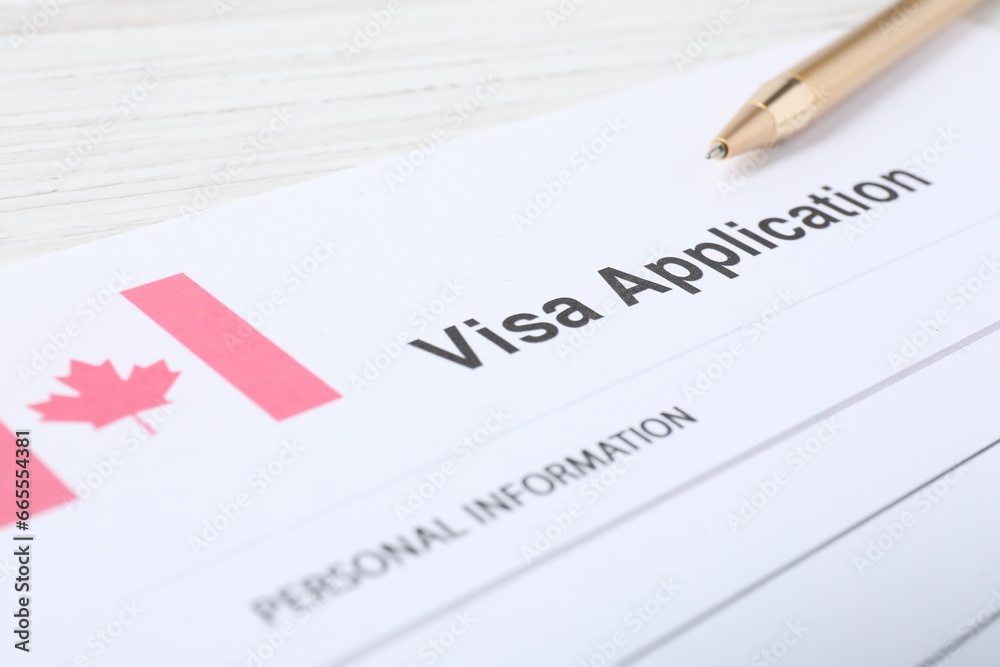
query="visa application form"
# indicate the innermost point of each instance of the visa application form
(561, 393)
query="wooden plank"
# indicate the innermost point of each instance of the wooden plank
(229, 65)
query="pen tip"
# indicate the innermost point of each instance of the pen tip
(717, 151)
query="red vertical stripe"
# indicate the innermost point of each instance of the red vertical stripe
(239, 353)
(45, 489)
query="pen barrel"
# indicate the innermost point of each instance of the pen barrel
(791, 102)
(856, 58)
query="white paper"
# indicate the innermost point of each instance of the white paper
(835, 375)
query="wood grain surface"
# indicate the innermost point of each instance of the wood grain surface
(117, 114)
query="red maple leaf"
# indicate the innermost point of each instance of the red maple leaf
(104, 397)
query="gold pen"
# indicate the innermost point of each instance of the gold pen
(790, 102)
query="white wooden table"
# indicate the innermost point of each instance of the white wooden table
(118, 114)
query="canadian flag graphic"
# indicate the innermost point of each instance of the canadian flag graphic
(244, 357)
(104, 397)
